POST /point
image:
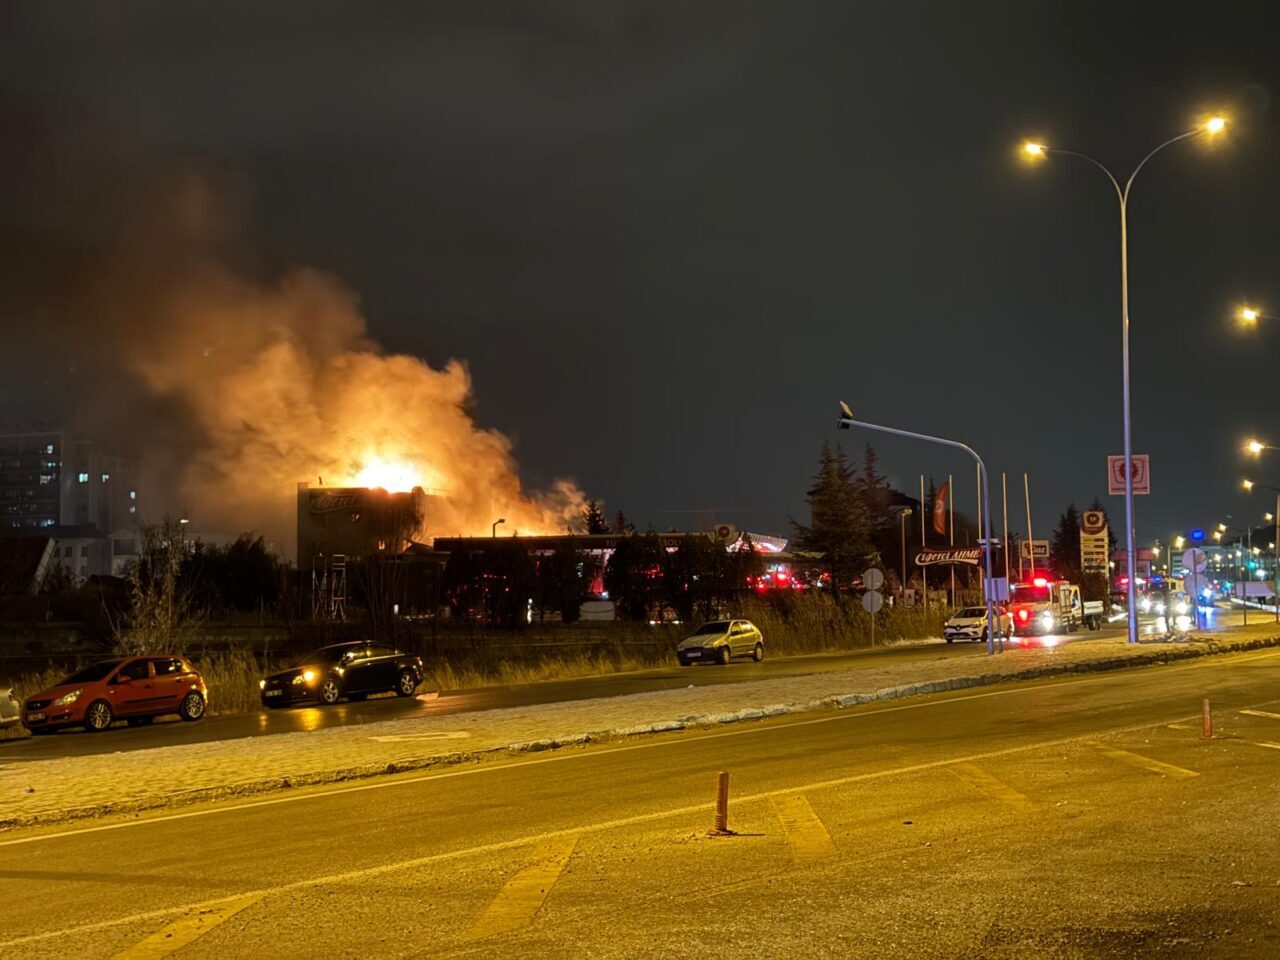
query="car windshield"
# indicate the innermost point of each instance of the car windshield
(973, 612)
(95, 671)
(1031, 593)
(715, 626)
(328, 654)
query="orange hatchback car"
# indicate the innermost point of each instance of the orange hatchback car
(134, 689)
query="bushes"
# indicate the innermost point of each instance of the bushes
(813, 622)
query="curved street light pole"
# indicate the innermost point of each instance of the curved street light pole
(846, 421)
(1122, 195)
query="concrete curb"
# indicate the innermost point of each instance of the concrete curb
(1163, 653)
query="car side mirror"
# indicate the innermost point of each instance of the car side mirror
(122, 680)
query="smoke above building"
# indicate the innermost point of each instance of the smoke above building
(233, 381)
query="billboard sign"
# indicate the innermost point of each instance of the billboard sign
(1141, 474)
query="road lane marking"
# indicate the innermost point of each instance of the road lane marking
(522, 896)
(172, 938)
(1261, 713)
(806, 835)
(1146, 763)
(984, 782)
(383, 784)
(435, 735)
(698, 809)
(1265, 743)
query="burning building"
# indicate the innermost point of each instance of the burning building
(356, 522)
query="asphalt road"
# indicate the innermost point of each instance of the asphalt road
(171, 731)
(1081, 817)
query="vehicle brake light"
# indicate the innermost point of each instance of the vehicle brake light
(1022, 615)
(1040, 582)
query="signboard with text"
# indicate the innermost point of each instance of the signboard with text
(1141, 474)
(1095, 546)
(1035, 549)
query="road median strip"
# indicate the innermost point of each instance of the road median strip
(418, 748)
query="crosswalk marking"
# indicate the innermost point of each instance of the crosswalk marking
(984, 782)
(806, 834)
(1146, 763)
(523, 895)
(1261, 713)
(176, 935)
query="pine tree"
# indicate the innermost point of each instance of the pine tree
(593, 518)
(873, 490)
(838, 528)
(1064, 550)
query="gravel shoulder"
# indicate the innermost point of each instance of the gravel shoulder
(48, 791)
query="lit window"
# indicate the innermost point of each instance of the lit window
(133, 494)
(133, 509)
(83, 477)
(106, 477)
(48, 448)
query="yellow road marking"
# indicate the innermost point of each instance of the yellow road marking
(1146, 763)
(404, 781)
(1261, 713)
(807, 836)
(184, 930)
(984, 782)
(1179, 726)
(366, 873)
(1265, 743)
(520, 899)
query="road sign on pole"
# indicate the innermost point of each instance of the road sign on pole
(872, 578)
(1141, 474)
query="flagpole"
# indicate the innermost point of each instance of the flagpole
(978, 490)
(924, 571)
(1031, 540)
(951, 536)
(1004, 501)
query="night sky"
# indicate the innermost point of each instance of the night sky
(667, 237)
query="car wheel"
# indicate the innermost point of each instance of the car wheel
(192, 707)
(98, 716)
(330, 691)
(758, 654)
(406, 684)
(139, 721)
(723, 654)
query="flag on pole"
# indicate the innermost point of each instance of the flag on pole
(940, 508)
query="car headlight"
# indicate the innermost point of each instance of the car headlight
(67, 698)
(1159, 608)
(262, 684)
(306, 676)
(1047, 619)
(1179, 608)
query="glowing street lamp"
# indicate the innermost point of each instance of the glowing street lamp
(1246, 484)
(1035, 150)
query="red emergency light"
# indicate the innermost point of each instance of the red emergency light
(1040, 582)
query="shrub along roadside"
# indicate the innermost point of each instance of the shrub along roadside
(801, 624)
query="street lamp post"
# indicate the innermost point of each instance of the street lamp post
(1038, 150)
(1256, 448)
(902, 530)
(493, 529)
(845, 421)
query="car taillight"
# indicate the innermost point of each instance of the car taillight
(1022, 615)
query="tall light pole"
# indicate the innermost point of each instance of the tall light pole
(1256, 448)
(493, 530)
(903, 513)
(1213, 125)
(846, 421)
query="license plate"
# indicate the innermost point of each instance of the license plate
(693, 654)
(35, 717)
(272, 693)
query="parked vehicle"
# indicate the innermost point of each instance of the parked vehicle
(133, 689)
(719, 641)
(1046, 606)
(970, 623)
(351, 670)
(10, 709)
(1095, 612)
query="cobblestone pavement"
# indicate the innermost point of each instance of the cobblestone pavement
(51, 790)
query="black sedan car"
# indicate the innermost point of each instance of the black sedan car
(351, 670)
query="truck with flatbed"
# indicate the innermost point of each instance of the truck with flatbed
(1044, 606)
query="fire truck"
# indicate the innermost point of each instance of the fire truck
(1041, 605)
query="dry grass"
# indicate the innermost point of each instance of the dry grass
(811, 623)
